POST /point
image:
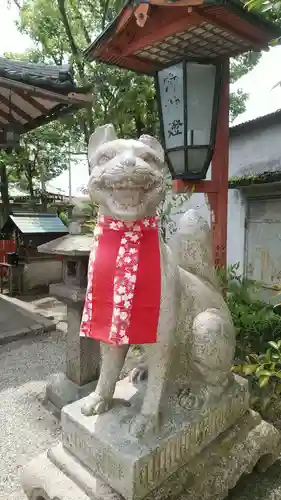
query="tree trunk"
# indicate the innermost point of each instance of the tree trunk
(87, 126)
(104, 15)
(74, 48)
(4, 189)
(29, 178)
(140, 127)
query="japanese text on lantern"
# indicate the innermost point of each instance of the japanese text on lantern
(171, 90)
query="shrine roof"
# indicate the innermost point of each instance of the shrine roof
(34, 223)
(34, 94)
(75, 245)
(153, 34)
(48, 76)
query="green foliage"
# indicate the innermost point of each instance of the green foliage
(172, 205)
(44, 151)
(255, 321)
(43, 155)
(258, 344)
(64, 218)
(239, 66)
(229, 275)
(264, 375)
(264, 6)
(62, 29)
(238, 102)
(89, 210)
(266, 366)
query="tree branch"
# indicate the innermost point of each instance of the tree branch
(79, 18)
(104, 15)
(74, 48)
(17, 4)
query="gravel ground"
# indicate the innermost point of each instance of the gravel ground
(26, 426)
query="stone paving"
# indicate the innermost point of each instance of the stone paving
(18, 320)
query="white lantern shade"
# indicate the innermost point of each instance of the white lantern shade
(188, 95)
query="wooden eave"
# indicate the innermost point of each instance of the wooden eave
(148, 36)
(31, 95)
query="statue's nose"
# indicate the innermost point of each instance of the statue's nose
(129, 159)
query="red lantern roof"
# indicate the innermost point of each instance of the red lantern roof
(153, 34)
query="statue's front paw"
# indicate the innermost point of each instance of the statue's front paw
(95, 404)
(144, 424)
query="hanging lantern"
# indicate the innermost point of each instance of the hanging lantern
(188, 96)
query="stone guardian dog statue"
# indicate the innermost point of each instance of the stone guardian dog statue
(187, 335)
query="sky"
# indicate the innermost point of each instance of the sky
(258, 83)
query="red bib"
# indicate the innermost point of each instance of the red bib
(122, 301)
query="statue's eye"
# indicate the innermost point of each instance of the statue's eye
(148, 158)
(103, 159)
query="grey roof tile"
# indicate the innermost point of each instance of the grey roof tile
(38, 223)
(54, 77)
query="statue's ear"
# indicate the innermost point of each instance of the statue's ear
(101, 135)
(154, 144)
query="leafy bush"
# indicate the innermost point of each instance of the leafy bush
(64, 218)
(255, 321)
(263, 372)
(265, 367)
(258, 344)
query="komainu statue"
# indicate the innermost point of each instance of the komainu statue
(143, 291)
(186, 431)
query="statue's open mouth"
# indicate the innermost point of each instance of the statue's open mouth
(134, 184)
(144, 181)
(144, 186)
(132, 197)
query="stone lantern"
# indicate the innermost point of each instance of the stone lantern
(82, 354)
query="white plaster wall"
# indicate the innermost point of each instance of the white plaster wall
(245, 150)
(237, 206)
(256, 146)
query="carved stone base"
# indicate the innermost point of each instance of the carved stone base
(251, 442)
(132, 467)
(61, 391)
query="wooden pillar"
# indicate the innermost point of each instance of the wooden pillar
(219, 199)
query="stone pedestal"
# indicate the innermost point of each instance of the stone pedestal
(82, 355)
(199, 453)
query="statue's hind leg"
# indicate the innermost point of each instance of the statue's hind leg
(159, 355)
(211, 355)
